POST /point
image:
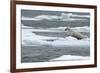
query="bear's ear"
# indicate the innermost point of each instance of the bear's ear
(67, 28)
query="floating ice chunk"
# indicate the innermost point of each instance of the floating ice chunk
(25, 27)
(29, 38)
(70, 42)
(70, 38)
(70, 58)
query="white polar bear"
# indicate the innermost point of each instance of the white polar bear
(75, 34)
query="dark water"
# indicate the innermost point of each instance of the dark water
(58, 34)
(50, 24)
(46, 53)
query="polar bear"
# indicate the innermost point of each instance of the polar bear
(75, 34)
